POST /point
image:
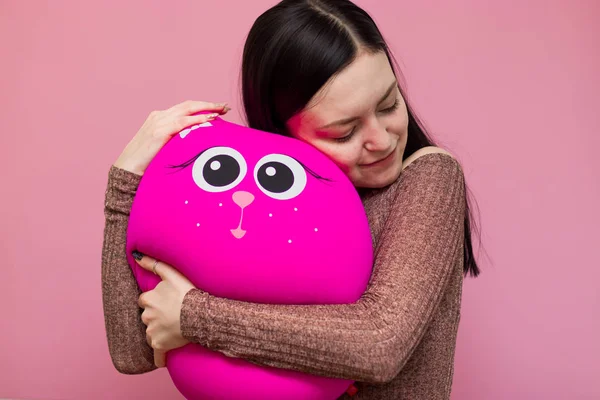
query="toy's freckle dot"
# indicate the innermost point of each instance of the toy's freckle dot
(186, 202)
(270, 215)
(295, 209)
(316, 229)
(289, 241)
(197, 224)
(220, 204)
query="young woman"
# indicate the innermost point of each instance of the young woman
(320, 71)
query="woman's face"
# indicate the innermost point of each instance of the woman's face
(359, 120)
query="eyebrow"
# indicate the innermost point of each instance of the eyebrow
(346, 121)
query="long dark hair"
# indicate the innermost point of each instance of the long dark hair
(294, 48)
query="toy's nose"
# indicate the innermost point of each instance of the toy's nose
(243, 199)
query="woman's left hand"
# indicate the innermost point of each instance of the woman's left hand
(162, 309)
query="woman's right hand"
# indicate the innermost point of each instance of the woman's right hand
(159, 127)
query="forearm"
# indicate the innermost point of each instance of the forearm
(350, 342)
(125, 331)
(370, 340)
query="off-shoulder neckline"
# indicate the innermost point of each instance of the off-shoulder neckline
(438, 155)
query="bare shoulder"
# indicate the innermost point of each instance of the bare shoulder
(424, 151)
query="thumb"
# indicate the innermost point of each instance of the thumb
(160, 359)
(163, 270)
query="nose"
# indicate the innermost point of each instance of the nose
(378, 139)
(243, 199)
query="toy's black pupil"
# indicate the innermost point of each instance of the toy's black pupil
(221, 170)
(275, 177)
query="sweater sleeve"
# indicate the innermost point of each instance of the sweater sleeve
(125, 331)
(369, 340)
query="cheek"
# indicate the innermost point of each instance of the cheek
(400, 123)
(345, 156)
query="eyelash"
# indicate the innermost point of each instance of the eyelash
(386, 111)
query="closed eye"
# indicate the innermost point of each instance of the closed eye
(393, 108)
(386, 111)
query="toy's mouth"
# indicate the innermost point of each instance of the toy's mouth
(238, 232)
(242, 199)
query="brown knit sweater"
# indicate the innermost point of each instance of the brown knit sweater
(397, 341)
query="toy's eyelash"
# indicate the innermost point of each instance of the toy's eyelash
(191, 161)
(313, 173)
(187, 163)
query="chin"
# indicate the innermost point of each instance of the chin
(387, 180)
(381, 180)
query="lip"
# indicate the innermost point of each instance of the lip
(385, 160)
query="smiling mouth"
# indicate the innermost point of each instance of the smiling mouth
(383, 159)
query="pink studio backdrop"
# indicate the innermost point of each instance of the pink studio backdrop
(510, 87)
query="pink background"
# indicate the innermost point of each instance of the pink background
(510, 87)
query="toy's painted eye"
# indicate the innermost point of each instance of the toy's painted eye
(219, 169)
(280, 176)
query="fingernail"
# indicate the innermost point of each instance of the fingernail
(210, 116)
(222, 105)
(137, 255)
(227, 108)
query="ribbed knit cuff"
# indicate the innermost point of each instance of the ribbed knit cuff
(120, 191)
(124, 179)
(195, 318)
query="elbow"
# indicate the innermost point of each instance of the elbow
(380, 374)
(129, 360)
(387, 375)
(125, 369)
(132, 368)
(385, 362)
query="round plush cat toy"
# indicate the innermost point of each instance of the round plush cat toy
(256, 217)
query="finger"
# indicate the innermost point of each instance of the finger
(142, 300)
(162, 269)
(188, 123)
(145, 318)
(148, 263)
(192, 107)
(160, 358)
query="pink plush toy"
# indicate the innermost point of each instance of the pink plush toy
(256, 217)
